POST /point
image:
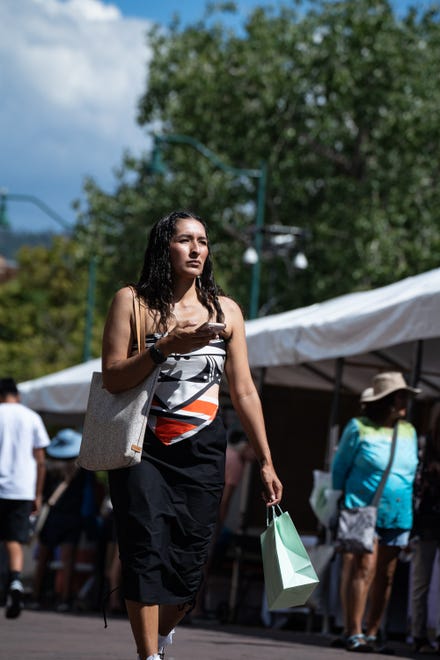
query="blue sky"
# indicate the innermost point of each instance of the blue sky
(72, 73)
(162, 10)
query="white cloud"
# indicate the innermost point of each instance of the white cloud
(72, 74)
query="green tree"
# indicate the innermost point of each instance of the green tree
(43, 311)
(341, 101)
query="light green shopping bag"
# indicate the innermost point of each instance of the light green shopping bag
(289, 576)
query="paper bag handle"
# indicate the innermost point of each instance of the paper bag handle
(274, 514)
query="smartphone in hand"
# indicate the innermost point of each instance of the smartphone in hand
(214, 327)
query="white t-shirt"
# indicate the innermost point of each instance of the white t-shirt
(21, 431)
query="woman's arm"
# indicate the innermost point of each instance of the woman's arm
(40, 459)
(246, 400)
(120, 369)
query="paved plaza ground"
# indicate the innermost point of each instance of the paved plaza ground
(52, 636)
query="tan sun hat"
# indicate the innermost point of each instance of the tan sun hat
(366, 394)
(384, 384)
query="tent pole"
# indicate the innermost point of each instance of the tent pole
(332, 438)
(415, 374)
(333, 428)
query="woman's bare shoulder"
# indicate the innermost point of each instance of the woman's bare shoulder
(122, 300)
(233, 316)
(124, 293)
(229, 306)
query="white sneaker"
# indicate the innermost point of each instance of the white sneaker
(165, 641)
(14, 600)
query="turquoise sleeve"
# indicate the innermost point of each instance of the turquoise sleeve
(345, 453)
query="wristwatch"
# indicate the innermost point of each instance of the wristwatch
(156, 355)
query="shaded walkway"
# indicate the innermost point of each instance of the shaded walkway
(51, 636)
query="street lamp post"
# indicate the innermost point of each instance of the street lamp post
(259, 174)
(37, 202)
(4, 197)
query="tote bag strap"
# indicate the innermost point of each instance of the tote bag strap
(139, 321)
(379, 491)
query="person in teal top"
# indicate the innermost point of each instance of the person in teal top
(360, 461)
(357, 468)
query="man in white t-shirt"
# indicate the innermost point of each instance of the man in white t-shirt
(23, 438)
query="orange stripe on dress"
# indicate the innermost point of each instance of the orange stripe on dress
(168, 429)
(206, 408)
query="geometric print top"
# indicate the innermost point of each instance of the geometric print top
(186, 398)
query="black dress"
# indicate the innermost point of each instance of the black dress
(166, 507)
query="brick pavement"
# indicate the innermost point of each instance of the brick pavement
(53, 636)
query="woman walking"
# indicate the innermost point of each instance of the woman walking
(166, 507)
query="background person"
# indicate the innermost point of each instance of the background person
(23, 438)
(359, 462)
(341, 641)
(238, 454)
(426, 545)
(166, 507)
(72, 514)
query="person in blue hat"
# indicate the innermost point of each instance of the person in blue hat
(65, 445)
(73, 508)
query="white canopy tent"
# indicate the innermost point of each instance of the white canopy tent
(397, 326)
(63, 392)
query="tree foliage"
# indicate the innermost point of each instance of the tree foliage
(43, 311)
(341, 101)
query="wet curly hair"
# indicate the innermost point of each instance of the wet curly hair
(155, 283)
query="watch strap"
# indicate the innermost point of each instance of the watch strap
(156, 355)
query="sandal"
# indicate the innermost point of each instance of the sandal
(358, 644)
